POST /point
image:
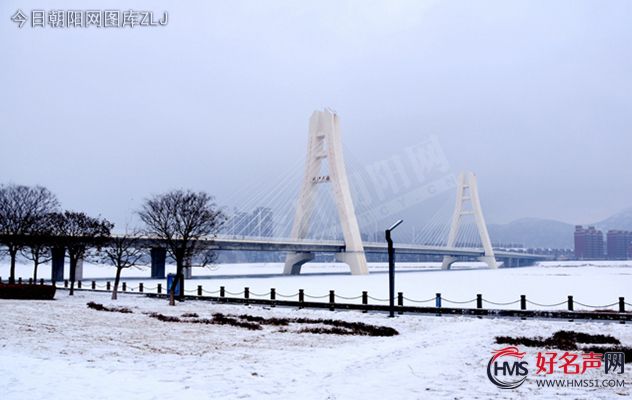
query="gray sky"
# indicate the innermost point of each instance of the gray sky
(534, 96)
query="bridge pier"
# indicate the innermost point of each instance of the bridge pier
(79, 270)
(447, 262)
(57, 264)
(158, 261)
(490, 261)
(295, 261)
(356, 260)
(510, 262)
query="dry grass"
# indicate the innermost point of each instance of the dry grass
(254, 323)
(101, 307)
(251, 322)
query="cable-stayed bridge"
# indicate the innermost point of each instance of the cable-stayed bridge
(326, 204)
(330, 214)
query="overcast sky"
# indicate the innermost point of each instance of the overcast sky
(534, 96)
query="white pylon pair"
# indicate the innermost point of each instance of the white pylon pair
(324, 145)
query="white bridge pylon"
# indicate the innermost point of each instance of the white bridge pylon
(467, 193)
(325, 146)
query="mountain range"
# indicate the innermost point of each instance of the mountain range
(538, 232)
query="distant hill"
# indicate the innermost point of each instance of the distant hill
(534, 232)
(538, 232)
(621, 220)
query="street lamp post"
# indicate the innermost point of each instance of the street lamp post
(391, 267)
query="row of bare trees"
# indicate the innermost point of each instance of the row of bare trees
(25, 211)
(31, 224)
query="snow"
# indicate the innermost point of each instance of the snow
(63, 350)
(597, 283)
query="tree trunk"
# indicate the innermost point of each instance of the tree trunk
(174, 284)
(35, 265)
(12, 254)
(180, 278)
(116, 283)
(73, 269)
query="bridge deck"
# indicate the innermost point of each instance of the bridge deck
(272, 244)
(311, 246)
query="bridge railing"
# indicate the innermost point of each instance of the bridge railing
(273, 239)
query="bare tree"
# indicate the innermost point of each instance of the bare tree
(180, 219)
(21, 207)
(124, 251)
(40, 240)
(78, 232)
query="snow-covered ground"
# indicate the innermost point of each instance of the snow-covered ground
(63, 350)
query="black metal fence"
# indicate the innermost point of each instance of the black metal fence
(436, 304)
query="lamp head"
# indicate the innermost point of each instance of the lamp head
(395, 225)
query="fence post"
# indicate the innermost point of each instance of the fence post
(78, 284)
(222, 292)
(246, 295)
(107, 286)
(332, 300)
(20, 280)
(199, 290)
(365, 300)
(301, 297)
(523, 302)
(479, 301)
(570, 303)
(41, 281)
(272, 297)
(621, 304)
(94, 285)
(400, 302)
(124, 286)
(0, 279)
(30, 281)
(140, 287)
(438, 300)
(159, 288)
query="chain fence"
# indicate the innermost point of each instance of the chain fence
(329, 298)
